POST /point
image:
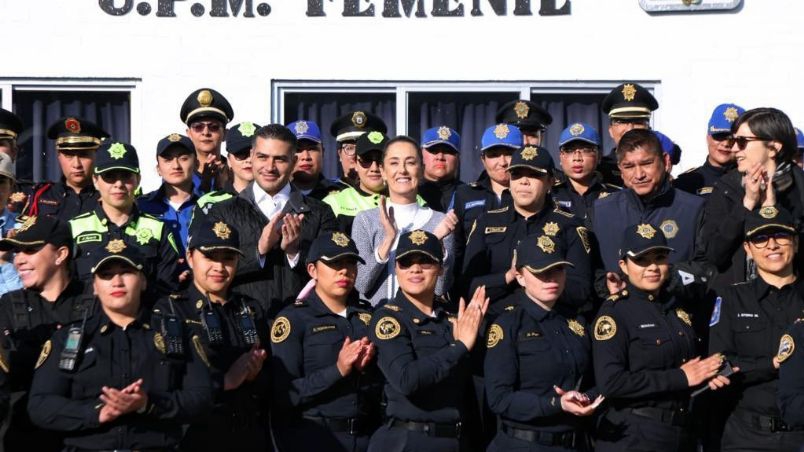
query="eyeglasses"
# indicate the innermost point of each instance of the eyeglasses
(742, 142)
(367, 162)
(348, 149)
(199, 127)
(762, 241)
(586, 151)
(111, 177)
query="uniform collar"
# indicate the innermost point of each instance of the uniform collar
(418, 317)
(532, 308)
(632, 293)
(719, 170)
(89, 188)
(132, 216)
(321, 309)
(158, 195)
(106, 326)
(662, 197)
(761, 288)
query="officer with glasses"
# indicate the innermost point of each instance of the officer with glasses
(748, 326)
(206, 113)
(346, 130)
(764, 143)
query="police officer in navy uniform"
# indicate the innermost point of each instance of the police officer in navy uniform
(11, 127)
(441, 148)
(628, 107)
(116, 175)
(206, 113)
(494, 236)
(346, 130)
(538, 364)
(747, 326)
(233, 331)
(76, 143)
(120, 380)
(531, 119)
(644, 353)
(423, 353)
(326, 384)
(578, 184)
(308, 174)
(238, 148)
(791, 368)
(719, 160)
(50, 300)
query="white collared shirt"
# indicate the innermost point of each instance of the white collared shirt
(270, 206)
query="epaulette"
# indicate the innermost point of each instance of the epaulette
(85, 214)
(392, 307)
(613, 298)
(563, 212)
(300, 302)
(363, 303)
(510, 308)
(558, 183)
(612, 186)
(504, 209)
(690, 170)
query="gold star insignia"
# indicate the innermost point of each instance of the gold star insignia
(529, 153)
(521, 109)
(731, 114)
(247, 129)
(501, 131)
(546, 244)
(340, 239)
(359, 119)
(116, 246)
(174, 137)
(551, 228)
(629, 92)
(222, 230)
(117, 151)
(418, 237)
(444, 133)
(646, 231)
(301, 127)
(576, 129)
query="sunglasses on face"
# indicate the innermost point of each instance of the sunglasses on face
(111, 177)
(762, 241)
(720, 136)
(199, 127)
(409, 261)
(742, 142)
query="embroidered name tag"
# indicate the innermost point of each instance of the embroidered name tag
(496, 229)
(86, 238)
(647, 325)
(321, 328)
(747, 315)
(472, 204)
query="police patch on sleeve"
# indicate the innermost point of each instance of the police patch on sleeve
(605, 328)
(716, 312)
(583, 233)
(387, 328)
(44, 354)
(495, 336)
(280, 330)
(159, 342)
(786, 347)
(199, 349)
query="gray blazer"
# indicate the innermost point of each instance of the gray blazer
(373, 278)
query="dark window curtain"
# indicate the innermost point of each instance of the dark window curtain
(325, 108)
(567, 109)
(39, 109)
(468, 113)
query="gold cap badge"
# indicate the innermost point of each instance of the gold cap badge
(116, 246)
(204, 98)
(29, 221)
(418, 237)
(576, 129)
(646, 231)
(529, 153)
(551, 228)
(340, 239)
(521, 109)
(222, 230)
(731, 114)
(501, 131)
(359, 119)
(768, 212)
(444, 133)
(629, 92)
(546, 244)
(174, 137)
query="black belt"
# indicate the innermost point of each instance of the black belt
(354, 425)
(436, 429)
(676, 418)
(771, 424)
(564, 439)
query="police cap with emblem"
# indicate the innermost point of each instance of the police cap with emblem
(501, 135)
(768, 219)
(10, 125)
(175, 140)
(76, 134)
(539, 253)
(306, 130)
(115, 155)
(116, 250)
(799, 140)
(372, 141)
(333, 246)
(528, 116)
(420, 242)
(532, 157)
(641, 238)
(629, 101)
(579, 131)
(35, 232)
(723, 116)
(353, 124)
(206, 103)
(208, 236)
(441, 135)
(239, 138)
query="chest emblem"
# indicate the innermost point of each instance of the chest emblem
(576, 327)
(684, 316)
(551, 228)
(669, 228)
(144, 236)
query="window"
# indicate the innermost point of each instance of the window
(468, 107)
(40, 103)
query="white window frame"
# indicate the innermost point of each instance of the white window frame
(528, 89)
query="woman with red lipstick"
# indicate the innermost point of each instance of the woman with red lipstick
(326, 386)
(644, 353)
(233, 332)
(538, 357)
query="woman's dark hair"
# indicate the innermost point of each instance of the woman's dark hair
(771, 124)
(402, 139)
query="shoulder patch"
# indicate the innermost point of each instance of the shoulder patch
(281, 330)
(613, 298)
(159, 342)
(44, 354)
(716, 312)
(695, 168)
(504, 209)
(387, 328)
(583, 234)
(391, 307)
(494, 336)
(786, 348)
(605, 328)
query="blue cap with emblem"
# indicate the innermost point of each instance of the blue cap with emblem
(579, 131)
(638, 239)
(799, 139)
(441, 135)
(723, 117)
(305, 130)
(669, 147)
(504, 135)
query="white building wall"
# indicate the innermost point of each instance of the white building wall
(751, 57)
